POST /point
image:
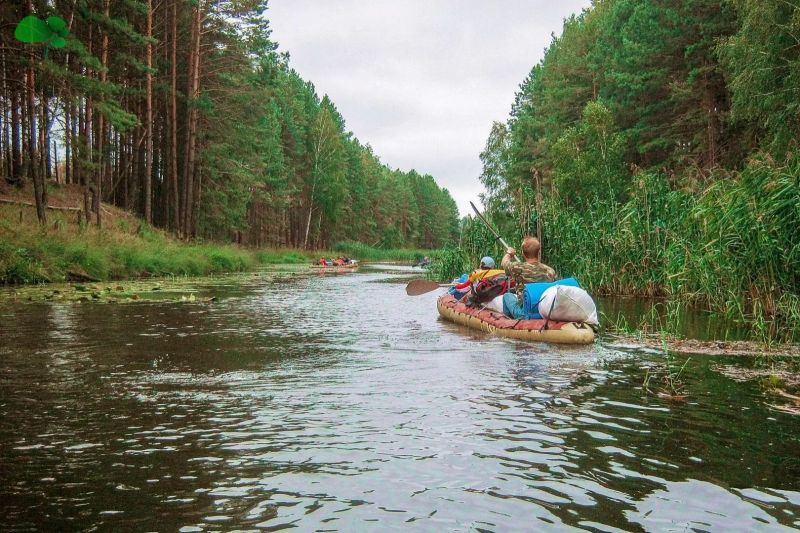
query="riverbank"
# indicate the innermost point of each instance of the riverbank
(66, 249)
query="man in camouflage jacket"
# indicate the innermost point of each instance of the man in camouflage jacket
(529, 271)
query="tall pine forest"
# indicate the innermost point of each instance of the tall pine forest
(654, 149)
(186, 113)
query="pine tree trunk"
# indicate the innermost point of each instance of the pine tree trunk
(83, 133)
(88, 128)
(6, 139)
(55, 159)
(67, 142)
(176, 199)
(310, 211)
(192, 93)
(148, 142)
(38, 189)
(45, 141)
(16, 152)
(101, 131)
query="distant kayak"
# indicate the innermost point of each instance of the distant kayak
(353, 265)
(484, 319)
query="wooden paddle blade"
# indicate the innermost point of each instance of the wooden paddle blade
(422, 286)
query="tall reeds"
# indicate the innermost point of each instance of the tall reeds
(733, 247)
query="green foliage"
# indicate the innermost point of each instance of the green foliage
(495, 159)
(291, 153)
(588, 162)
(764, 69)
(732, 249)
(266, 159)
(286, 257)
(20, 264)
(364, 252)
(449, 263)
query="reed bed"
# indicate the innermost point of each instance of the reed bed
(730, 246)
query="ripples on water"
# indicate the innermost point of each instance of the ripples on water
(337, 403)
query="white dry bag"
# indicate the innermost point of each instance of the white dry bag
(564, 303)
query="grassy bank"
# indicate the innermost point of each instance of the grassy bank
(125, 247)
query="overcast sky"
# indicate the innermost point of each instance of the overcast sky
(420, 80)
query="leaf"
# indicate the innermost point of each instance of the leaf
(58, 42)
(63, 32)
(56, 24)
(32, 30)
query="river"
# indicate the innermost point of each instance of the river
(327, 402)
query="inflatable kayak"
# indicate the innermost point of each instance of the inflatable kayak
(541, 330)
(351, 266)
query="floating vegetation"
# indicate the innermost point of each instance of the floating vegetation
(189, 290)
(779, 376)
(775, 380)
(693, 346)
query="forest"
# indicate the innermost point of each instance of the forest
(186, 113)
(654, 151)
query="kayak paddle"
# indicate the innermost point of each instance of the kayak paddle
(423, 286)
(499, 238)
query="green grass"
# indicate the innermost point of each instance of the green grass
(363, 252)
(449, 264)
(287, 256)
(125, 248)
(48, 257)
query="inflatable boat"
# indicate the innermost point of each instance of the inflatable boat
(350, 266)
(541, 330)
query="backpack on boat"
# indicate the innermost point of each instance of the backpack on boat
(487, 289)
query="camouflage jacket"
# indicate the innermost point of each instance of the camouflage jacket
(523, 273)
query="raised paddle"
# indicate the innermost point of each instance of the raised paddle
(422, 286)
(499, 238)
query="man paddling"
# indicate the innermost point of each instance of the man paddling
(529, 271)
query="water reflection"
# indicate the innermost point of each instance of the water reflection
(336, 403)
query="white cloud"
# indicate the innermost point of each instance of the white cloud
(420, 80)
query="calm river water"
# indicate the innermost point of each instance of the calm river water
(337, 403)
